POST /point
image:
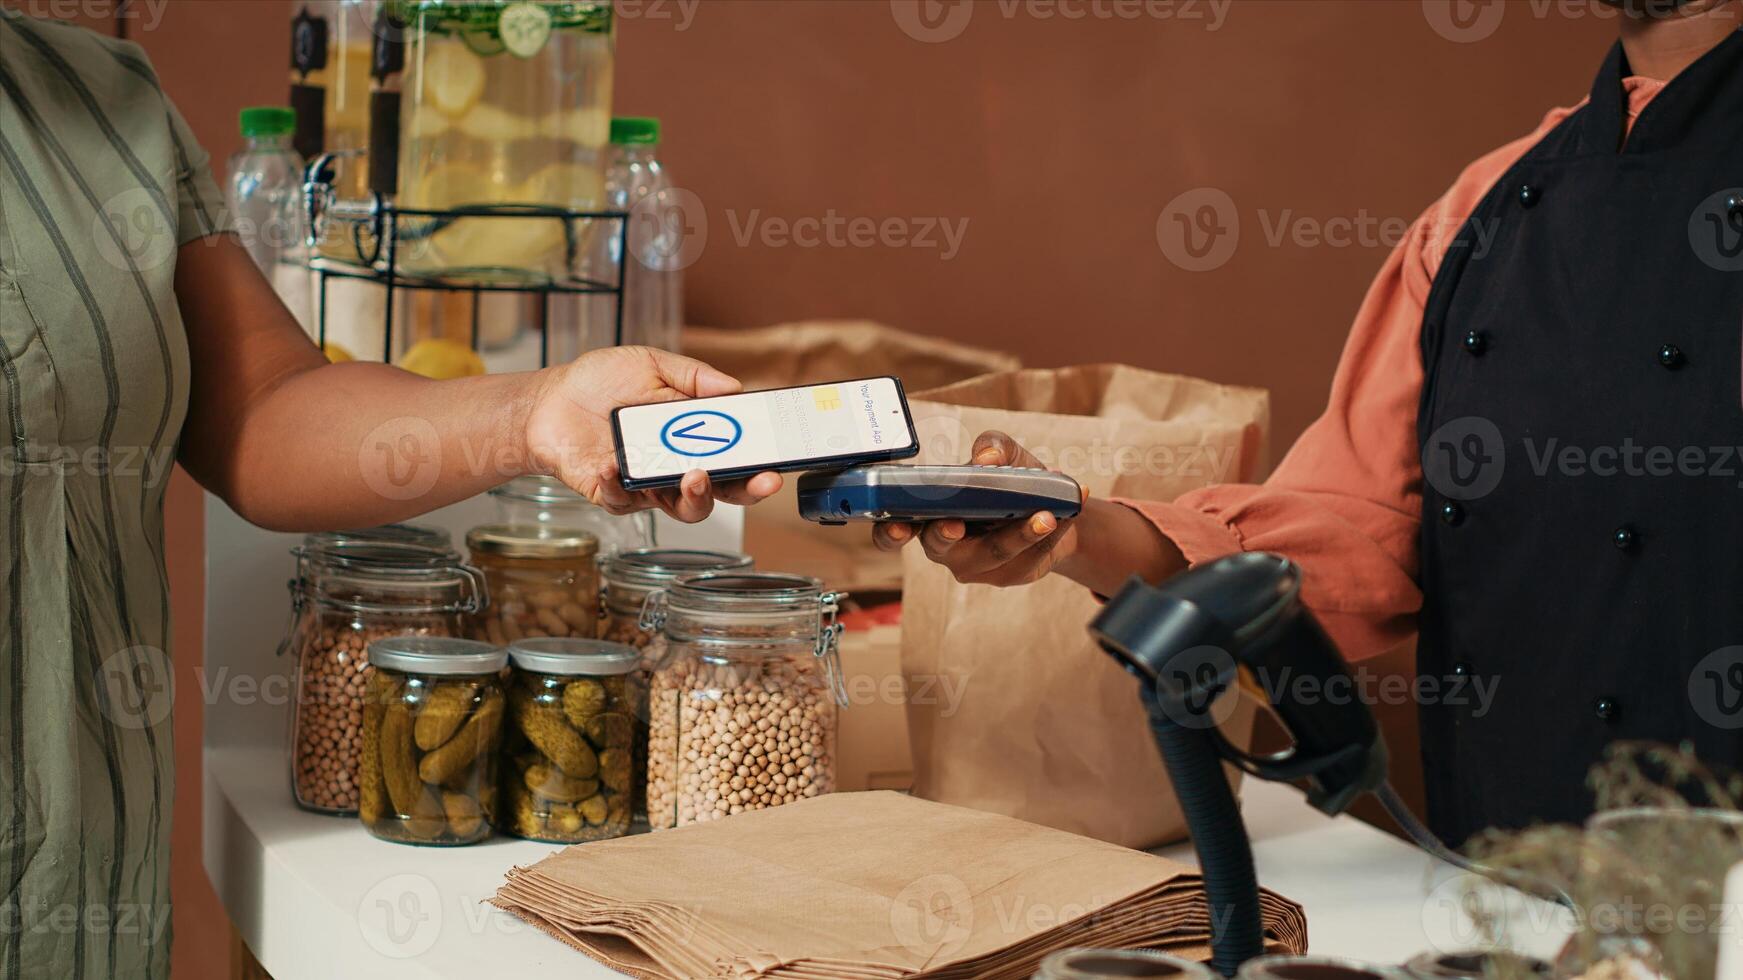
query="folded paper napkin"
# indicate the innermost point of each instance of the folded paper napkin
(865, 885)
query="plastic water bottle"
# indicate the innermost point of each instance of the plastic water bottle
(635, 182)
(265, 196)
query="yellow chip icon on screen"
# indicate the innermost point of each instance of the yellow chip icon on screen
(828, 398)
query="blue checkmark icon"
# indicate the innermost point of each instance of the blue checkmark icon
(701, 433)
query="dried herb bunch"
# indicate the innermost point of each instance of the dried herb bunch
(1647, 872)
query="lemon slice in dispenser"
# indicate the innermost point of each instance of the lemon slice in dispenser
(426, 123)
(480, 243)
(494, 125)
(565, 185)
(452, 185)
(453, 77)
(587, 127)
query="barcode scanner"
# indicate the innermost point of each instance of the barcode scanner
(1239, 621)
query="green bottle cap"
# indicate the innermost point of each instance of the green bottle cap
(268, 120)
(635, 130)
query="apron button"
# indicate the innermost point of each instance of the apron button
(1671, 356)
(1607, 710)
(1529, 195)
(1451, 514)
(1625, 538)
(1476, 342)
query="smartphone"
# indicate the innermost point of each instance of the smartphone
(842, 423)
(976, 495)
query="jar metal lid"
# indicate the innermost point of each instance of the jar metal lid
(367, 575)
(531, 541)
(573, 655)
(743, 592)
(443, 655)
(656, 567)
(343, 550)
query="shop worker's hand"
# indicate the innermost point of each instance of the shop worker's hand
(1014, 553)
(569, 428)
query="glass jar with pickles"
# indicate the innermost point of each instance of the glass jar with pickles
(432, 726)
(567, 775)
(543, 581)
(507, 108)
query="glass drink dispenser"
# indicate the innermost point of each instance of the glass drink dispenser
(330, 46)
(505, 108)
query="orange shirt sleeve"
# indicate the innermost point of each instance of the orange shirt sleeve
(1346, 503)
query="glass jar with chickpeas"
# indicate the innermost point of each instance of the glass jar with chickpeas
(628, 578)
(543, 581)
(566, 774)
(742, 715)
(353, 588)
(626, 581)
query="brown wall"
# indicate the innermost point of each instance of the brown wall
(1059, 140)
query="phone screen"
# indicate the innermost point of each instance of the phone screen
(757, 430)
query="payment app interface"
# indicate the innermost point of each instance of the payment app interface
(763, 428)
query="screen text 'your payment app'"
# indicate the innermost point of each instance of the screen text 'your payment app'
(764, 428)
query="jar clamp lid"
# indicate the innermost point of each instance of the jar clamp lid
(442, 655)
(748, 598)
(370, 574)
(530, 541)
(415, 534)
(657, 567)
(575, 656)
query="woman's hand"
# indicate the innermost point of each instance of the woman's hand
(1015, 553)
(569, 428)
(1099, 549)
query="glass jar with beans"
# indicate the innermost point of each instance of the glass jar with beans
(547, 502)
(566, 774)
(433, 711)
(628, 578)
(351, 589)
(543, 581)
(742, 715)
(626, 581)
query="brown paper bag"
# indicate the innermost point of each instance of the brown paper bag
(812, 353)
(1048, 728)
(871, 745)
(873, 885)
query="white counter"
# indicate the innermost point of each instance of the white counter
(316, 897)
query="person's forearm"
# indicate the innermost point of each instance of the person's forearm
(1113, 543)
(373, 444)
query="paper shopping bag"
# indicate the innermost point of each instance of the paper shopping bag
(1043, 725)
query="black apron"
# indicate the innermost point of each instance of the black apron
(1582, 542)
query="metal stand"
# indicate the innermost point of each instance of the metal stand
(376, 228)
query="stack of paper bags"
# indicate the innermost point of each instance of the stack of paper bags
(865, 885)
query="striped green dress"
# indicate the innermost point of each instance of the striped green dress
(100, 183)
